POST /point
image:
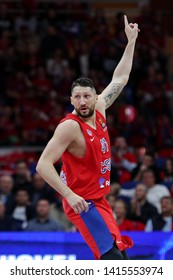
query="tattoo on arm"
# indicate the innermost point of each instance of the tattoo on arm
(112, 94)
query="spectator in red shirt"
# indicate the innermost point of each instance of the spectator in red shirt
(123, 159)
(120, 210)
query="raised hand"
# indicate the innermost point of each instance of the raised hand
(131, 29)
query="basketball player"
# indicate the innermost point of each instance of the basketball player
(81, 140)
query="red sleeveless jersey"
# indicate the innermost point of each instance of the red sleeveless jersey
(89, 176)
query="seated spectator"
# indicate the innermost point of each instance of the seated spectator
(43, 222)
(154, 191)
(166, 174)
(40, 189)
(123, 159)
(6, 187)
(22, 177)
(164, 220)
(120, 210)
(115, 188)
(8, 223)
(141, 210)
(22, 209)
(147, 162)
(111, 198)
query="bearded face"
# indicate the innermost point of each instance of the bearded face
(84, 100)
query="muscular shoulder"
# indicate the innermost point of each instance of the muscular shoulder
(71, 125)
(68, 129)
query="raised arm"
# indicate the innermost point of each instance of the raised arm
(122, 71)
(63, 136)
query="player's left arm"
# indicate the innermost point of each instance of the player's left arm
(122, 71)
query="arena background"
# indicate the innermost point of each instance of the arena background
(34, 97)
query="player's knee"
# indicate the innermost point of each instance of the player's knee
(113, 254)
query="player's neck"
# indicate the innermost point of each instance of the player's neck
(91, 121)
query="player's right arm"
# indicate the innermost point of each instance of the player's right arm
(63, 136)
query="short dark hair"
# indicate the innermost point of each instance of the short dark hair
(83, 82)
(43, 199)
(167, 197)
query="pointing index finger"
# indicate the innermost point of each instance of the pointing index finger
(125, 20)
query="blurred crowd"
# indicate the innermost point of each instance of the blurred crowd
(43, 48)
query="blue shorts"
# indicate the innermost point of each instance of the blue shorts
(98, 227)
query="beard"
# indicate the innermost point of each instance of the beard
(88, 113)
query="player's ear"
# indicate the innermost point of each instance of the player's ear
(71, 100)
